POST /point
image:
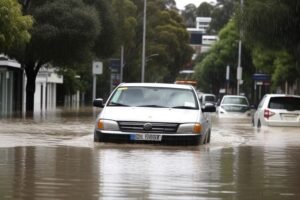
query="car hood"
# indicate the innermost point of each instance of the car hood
(150, 114)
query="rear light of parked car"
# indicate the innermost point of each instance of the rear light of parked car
(268, 113)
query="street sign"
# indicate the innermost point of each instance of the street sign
(115, 65)
(261, 77)
(97, 68)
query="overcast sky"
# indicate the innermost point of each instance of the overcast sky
(181, 3)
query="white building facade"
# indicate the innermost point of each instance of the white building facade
(45, 89)
(10, 86)
(202, 24)
(200, 41)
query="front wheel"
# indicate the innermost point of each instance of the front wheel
(96, 137)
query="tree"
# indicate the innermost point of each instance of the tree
(64, 33)
(212, 68)
(189, 15)
(279, 64)
(167, 48)
(276, 45)
(14, 27)
(204, 10)
(277, 22)
(167, 32)
(221, 14)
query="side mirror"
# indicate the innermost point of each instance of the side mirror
(209, 107)
(98, 103)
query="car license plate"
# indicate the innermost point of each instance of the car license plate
(290, 117)
(146, 137)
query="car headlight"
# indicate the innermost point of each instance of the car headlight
(109, 125)
(190, 128)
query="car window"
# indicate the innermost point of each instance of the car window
(154, 97)
(235, 100)
(287, 103)
(210, 98)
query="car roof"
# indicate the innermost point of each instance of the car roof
(240, 96)
(162, 85)
(206, 94)
(282, 95)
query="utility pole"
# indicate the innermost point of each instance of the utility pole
(239, 71)
(122, 64)
(144, 43)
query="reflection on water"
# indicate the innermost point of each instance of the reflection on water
(54, 157)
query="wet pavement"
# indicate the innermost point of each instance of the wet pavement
(53, 156)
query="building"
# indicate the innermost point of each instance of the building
(200, 41)
(11, 85)
(202, 24)
(45, 89)
(13, 88)
(207, 42)
(195, 40)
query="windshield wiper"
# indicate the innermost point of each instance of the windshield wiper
(184, 107)
(152, 106)
(117, 104)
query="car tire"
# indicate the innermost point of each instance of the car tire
(96, 137)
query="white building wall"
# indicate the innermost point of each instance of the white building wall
(202, 23)
(45, 90)
(37, 97)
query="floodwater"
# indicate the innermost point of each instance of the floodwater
(53, 156)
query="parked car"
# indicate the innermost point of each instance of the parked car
(278, 110)
(153, 113)
(205, 98)
(234, 106)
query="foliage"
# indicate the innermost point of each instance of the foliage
(276, 44)
(167, 48)
(64, 33)
(212, 68)
(14, 27)
(277, 22)
(168, 32)
(280, 64)
(204, 10)
(189, 15)
(221, 14)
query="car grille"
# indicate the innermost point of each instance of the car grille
(157, 127)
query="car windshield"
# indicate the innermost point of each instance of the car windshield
(235, 100)
(154, 97)
(210, 98)
(287, 103)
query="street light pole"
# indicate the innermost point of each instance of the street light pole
(144, 43)
(239, 67)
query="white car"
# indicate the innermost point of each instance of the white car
(153, 113)
(207, 98)
(234, 106)
(278, 110)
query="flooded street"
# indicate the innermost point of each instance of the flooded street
(53, 156)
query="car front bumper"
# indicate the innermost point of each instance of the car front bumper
(168, 139)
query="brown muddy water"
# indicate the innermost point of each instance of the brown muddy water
(53, 156)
